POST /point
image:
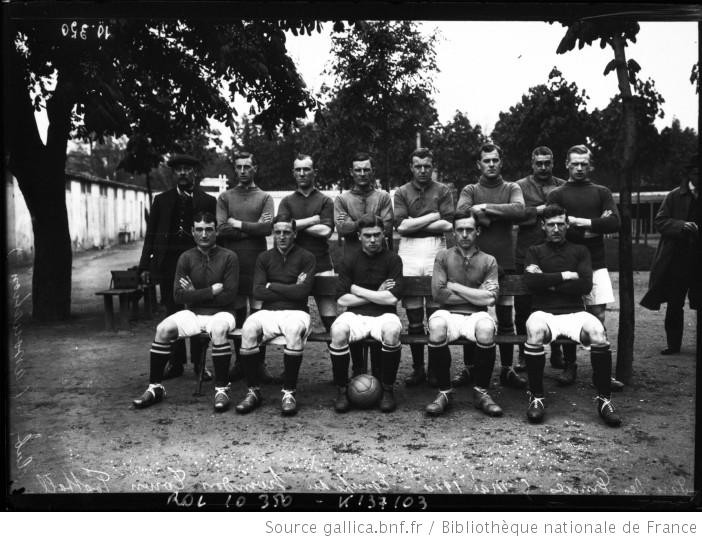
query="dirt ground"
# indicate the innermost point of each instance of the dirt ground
(73, 429)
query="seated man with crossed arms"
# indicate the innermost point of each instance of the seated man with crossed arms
(206, 281)
(282, 281)
(369, 286)
(558, 273)
(464, 283)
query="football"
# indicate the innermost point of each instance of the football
(364, 391)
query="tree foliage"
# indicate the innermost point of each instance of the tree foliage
(455, 147)
(380, 98)
(161, 79)
(552, 114)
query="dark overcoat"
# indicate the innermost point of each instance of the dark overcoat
(674, 246)
(159, 225)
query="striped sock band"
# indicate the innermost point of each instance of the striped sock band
(221, 356)
(339, 351)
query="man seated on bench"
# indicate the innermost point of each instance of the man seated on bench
(206, 281)
(558, 273)
(464, 283)
(282, 281)
(370, 281)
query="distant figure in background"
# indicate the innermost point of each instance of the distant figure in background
(363, 198)
(675, 265)
(535, 188)
(168, 235)
(244, 220)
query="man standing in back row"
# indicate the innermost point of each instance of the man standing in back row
(497, 204)
(244, 220)
(313, 213)
(423, 214)
(535, 189)
(592, 213)
(363, 198)
(168, 235)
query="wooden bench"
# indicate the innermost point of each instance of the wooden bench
(126, 287)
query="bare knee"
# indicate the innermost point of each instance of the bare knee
(537, 331)
(219, 331)
(594, 333)
(166, 330)
(485, 331)
(390, 332)
(437, 329)
(250, 334)
(339, 333)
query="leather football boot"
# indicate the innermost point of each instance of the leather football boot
(250, 402)
(568, 376)
(510, 378)
(483, 401)
(605, 409)
(417, 377)
(439, 405)
(342, 403)
(288, 404)
(387, 401)
(535, 412)
(153, 394)
(172, 370)
(221, 399)
(463, 379)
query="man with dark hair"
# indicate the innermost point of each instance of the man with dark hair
(675, 266)
(423, 214)
(313, 213)
(559, 273)
(497, 204)
(370, 282)
(244, 216)
(535, 188)
(591, 214)
(168, 235)
(349, 207)
(282, 281)
(464, 283)
(206, 281)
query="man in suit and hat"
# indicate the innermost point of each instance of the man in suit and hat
(168, 235)
(675, 265)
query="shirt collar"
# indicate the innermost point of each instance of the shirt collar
(314, 189)
(182, 192)
(419, 186)
(356, 190)
(468, 255)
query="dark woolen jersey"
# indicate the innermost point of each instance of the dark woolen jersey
(369, 272)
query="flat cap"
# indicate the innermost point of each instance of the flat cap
(183, 159)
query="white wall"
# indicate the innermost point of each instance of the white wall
(98, 211)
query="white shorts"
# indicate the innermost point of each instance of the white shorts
(329, 273)
(275, 324)
(190, 324)
(418, 253)
(367, 326)
(601, 292)
(566, 325)
(461, 325)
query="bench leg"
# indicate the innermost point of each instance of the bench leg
(124, 310)
(134, 302)
(203, 344)
(109, 313)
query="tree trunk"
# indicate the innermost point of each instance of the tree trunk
(39, 170)
(625, 338)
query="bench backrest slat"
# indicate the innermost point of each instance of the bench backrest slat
(421, 286)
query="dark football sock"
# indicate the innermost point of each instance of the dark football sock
(292, 359)
(601, 359)
(221, 357)
(159, 356)
(340, 364)
(357, 351)
(535, 362)
(416, 327)
(484, 364)
(250, 362)
(390, 361)
(569, 353)
(440, 358)
(376, 360)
